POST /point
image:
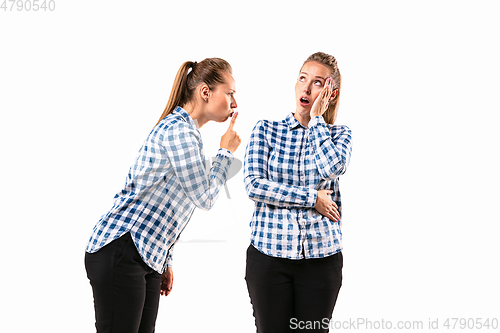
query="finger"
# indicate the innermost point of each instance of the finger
(330, 87)
(334, 213)
(333, 218)
(327, 85)
(165, 291)
(326, 91)
(330, 95)
(233, 120)
(323, 93)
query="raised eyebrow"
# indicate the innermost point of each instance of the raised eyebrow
(318, 77)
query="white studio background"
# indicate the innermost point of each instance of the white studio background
(82, 86)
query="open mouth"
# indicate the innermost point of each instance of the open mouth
(304, 101)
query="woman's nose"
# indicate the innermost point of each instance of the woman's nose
(306, 89)
(234, 105)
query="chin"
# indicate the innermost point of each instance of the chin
(221, 120)
(302, 110)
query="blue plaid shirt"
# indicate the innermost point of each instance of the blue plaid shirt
(285, 165)
(162, 189)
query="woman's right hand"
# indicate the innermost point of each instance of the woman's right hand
(326, 206)
(230, 140)
(167, 280)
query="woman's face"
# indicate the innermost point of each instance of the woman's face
(312, 78)
(222, 100)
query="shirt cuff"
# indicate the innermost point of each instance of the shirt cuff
(226, 153)
(169, 262)
(315, 121)
(311, 198)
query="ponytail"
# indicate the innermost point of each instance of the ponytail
(178, 89)
(209, 71)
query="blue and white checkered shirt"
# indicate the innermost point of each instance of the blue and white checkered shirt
(162, 189)
(285, 165)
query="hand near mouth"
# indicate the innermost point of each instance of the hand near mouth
(231, 140)
(323, 100)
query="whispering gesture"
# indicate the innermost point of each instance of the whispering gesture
(323, 100)
(231, 140)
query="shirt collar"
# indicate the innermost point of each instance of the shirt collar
(292, 122)
(186, 116)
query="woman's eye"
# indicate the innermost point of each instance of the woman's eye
(302, 78)
(318, 83)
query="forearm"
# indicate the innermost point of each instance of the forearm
(280, 195)
(332, 152)
(184, 151)
(205, 193)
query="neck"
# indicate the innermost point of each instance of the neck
(302, 118)
(195, 110)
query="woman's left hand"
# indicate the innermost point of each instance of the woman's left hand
(167, 280)
(323, 100)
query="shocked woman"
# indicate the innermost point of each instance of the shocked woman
(291, 172)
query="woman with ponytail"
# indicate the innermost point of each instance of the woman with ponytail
(129, 255)
(291, 172)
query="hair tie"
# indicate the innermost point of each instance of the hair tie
(191, 67)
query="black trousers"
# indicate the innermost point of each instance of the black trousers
(292, 295)
(126, 290)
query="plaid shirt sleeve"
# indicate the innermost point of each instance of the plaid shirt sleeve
(332, 154)
(170, 259)
(189, 166)
(259, 187)
(166, 183)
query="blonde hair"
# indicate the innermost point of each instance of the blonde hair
(209, 71)
(331, 63)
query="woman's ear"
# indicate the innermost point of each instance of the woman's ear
(334, 94)
(205, 92)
